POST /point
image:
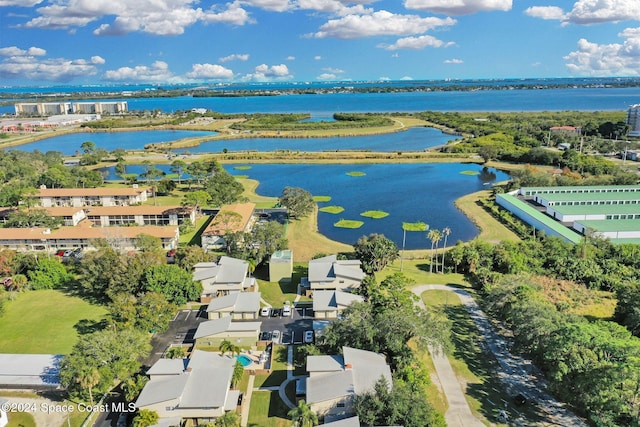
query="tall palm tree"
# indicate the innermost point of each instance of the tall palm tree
(434, 235)
(89, 378)
(225, 346)
(229, 419)
(303, 416)
(446, 231)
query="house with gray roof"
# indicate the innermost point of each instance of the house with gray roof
(237, 305)
(30, 371)
(329, 273)
(212, 332)
(226, 276)
(329, 304)
(335, 380)
(199, 392)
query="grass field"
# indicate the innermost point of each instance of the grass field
(21, 419)
(375, 214)
(348, 223)
(262, 202)
(45, 322)
(491, 229)
(305, 241)
(267, 410)
(332, 209)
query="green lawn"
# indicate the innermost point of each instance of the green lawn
(277, 293)
(21, 419)
(193, 237)
(267, 410)
(46, 321)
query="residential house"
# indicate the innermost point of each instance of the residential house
(329, 273)
(212, 332)
(199, 392)
(30, 371)
(344, 422)
(237, 305)
(123, 238)
(329, 304)
(281, 266)
(335, 380)
(69, 216)
(78, 197)
(227, 276)
(234, 218)
(105, 216)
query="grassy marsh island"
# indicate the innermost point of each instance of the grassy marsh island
(375, 214)
(348, 223)
(332, 209)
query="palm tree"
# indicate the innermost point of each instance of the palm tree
(225, 346)
(438, 236)
(145, 418)
(89, 378)
(433, 236)
(446, 231)
(303, 416)
(229, 419)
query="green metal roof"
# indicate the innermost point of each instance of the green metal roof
(625, 241)
(565, 232)
(609, 225)
(577, 197)
(597, 209)
(581, 187)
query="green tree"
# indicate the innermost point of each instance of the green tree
(88, 147)
(145, 418)
(176, 284)
(187, 257)
(226, 346)
(147, 243)
(229, 419)
(165, 186)
(48, 274)
(375, 252)
(133, 386)
(32, 218)
(196, 199)
(177, 352)
(178, 167)
(303, 416)
(299, 202)
(445, 232)
(88, 378)
(222, 187)
(238, 372)
(488, 152)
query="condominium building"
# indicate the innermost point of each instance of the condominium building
(633, 120)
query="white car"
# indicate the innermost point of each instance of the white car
(286, 311)
(275, 337)
(308, 337)
(265, 311)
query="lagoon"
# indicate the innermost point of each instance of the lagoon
(408, 192)
(70, 144)
(414, 139)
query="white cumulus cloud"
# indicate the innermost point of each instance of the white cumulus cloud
(379, 23)
(326, 76)
(31, 64)
(157, 72)
(23, 3)
(416, 43)
(235, 57)
(159, 17)
(453, 61)
(263, 72)
(459, 7)
(209, 71)
(616, 59)
(274, 5)
(587, 12)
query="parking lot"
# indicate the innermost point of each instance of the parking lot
(183, 327)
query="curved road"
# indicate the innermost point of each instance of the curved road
(512, 370)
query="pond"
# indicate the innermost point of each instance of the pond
(69, 144)
(407, 192)
(414, 139)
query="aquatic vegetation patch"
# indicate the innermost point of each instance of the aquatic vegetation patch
(375, 214)
(415, 226)
(348, 223)
(470, 173)
(242, 168)
(332, 209)
(321, 199)
(356, 173)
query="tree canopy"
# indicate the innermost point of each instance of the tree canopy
(298, 201)
(375, 251)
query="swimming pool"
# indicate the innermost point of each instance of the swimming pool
(244, 360)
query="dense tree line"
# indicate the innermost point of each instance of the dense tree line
(285, 122)
(593, 365)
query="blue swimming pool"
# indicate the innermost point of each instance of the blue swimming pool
(245, 360)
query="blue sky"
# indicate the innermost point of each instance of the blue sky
(176, 41)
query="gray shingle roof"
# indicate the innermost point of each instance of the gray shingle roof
(214, 327)
(347, 422)
(162, 389)
(168, 367)
(332, 300)
(328, 268)
(35, 370)
(329, 386)
(325, 363)
(367, 369)
(228, 270)
(241, 302)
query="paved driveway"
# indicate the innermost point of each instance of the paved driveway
(292, 328)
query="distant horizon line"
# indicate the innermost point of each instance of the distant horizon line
(312, 82)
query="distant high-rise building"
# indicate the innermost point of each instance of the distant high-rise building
(633, 120)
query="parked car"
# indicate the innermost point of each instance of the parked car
(67, 253)
(60, 252)
(265, 336)
(265, 311)
(275, 337)
(122, 420)
(286, 311)
(308, 337)
(275, 312)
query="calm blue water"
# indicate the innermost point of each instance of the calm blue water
(585, 99)
(324, 105)
(70, 144)
(414, 139)
(409, 192)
